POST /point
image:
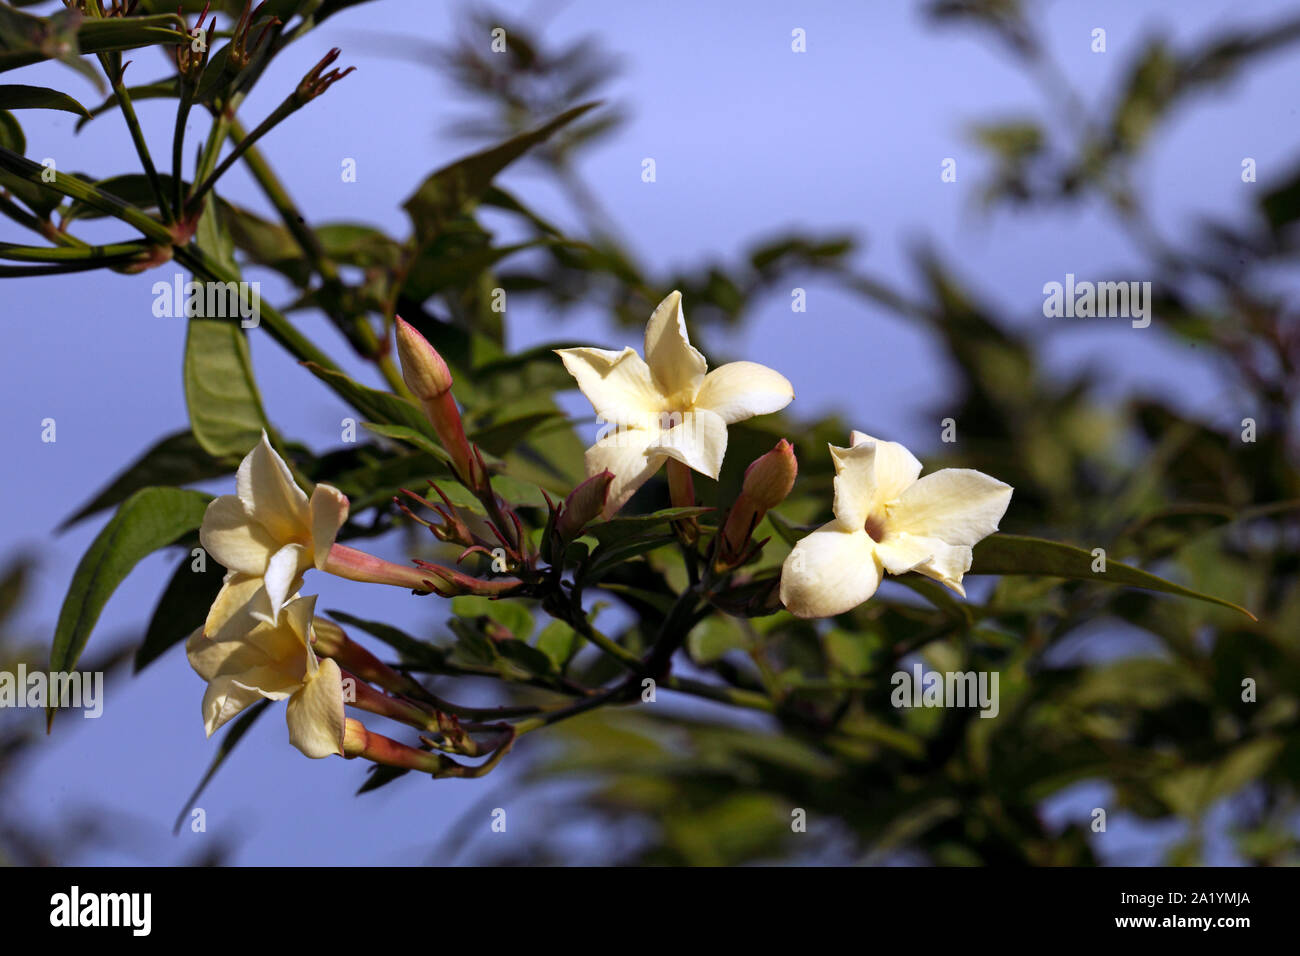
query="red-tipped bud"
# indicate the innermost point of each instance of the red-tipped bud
(429, 380)
(423, 369)
(584, 505)
(768, 481)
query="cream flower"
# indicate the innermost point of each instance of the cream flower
(667, 405)
(888, 520)
(267, 535)
(274, 660)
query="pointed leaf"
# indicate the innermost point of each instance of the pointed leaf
(150, 519)
(448, 191)
(1016, 554)
(225, 409)
(16, 97)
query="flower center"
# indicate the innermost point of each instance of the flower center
(669, 420)
(875, 527)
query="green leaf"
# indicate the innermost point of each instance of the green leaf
(150, 519)
(1016, 554)
(225, 409)
(559, 643)
(176, 460)
(379, 775)
(129, 33)
(134, 189)
(525, 657)
(181, 610)
(608, 556)
(214, 238)
(500, 437)
(616, 529)
(448, 191)
(511, 615)
(437, 269)
(11, 134)
(382, 407)
(228, 742)
(17, 97)
(714, 637)
(38, 200)
(410, 436)
(413, 651)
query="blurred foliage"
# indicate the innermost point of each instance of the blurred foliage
(807, 725)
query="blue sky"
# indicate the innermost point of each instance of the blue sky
(749, 139)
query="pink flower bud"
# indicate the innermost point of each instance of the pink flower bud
(584, 505)
(429, 380)
(768, 481)
(423, 369)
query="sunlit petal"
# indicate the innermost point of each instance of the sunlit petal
(741, 390)
(829, 572)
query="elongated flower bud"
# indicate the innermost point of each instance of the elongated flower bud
(768, 481)
(355, 565)
(423, 369)
(429, 379)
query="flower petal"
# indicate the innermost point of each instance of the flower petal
(315, 713)
(267, 487)
(623, 452)
(699, 442)
(896, 467)
(829, 572)
(946, 563)
(223, 700)
(329, 509)
(677, 366)
(206, 655)
(231, 614)
(900, 553)
(618, 384)
(740, 390)
(284, 575)
(299, 613)
(956, 505)
(231, 535)
(855, 485)
(947, 566)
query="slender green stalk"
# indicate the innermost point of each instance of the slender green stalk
(9, 250)
(178, 144)
(723, 695)
(278, 115)
(127, 109)
(280, 328)
(309, 243)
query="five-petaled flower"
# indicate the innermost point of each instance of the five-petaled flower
(886, 519)
(667, 405)
(267, 535)
(274, 660)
